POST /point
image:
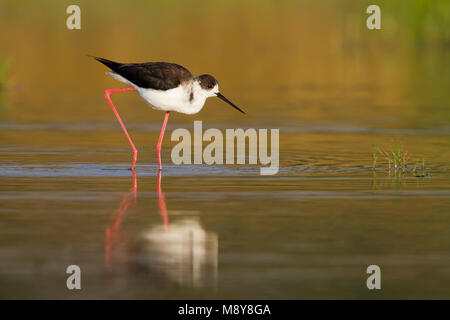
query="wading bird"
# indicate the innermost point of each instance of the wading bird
(164, 86)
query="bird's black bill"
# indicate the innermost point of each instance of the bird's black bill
(219, 95)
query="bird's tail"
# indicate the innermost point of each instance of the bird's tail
(110, 64)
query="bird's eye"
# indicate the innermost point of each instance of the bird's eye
(210, 86)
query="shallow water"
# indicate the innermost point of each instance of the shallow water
(224, 231)
(227, 232)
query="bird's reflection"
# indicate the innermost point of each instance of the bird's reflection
(181, 252)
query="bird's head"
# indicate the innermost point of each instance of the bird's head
(210, 88)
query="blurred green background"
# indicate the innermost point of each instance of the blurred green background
(267, 55)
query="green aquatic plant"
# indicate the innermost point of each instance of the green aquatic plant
(400, 156)
(389, 158)
(397, 160)
(375, 150)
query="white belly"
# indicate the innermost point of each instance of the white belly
(176, 99)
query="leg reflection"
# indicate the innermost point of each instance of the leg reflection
(162, 203)
(112, 233)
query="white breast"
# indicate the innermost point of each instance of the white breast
(177, 99)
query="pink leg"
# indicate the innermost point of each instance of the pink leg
(107, 93)
(161, 135)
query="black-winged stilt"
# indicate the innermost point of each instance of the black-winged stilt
(164, 86)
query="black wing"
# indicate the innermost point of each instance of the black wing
(150, 75)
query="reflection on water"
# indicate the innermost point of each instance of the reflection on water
(185, 252)
(181, 252)
(162, 203)
(113, 231)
